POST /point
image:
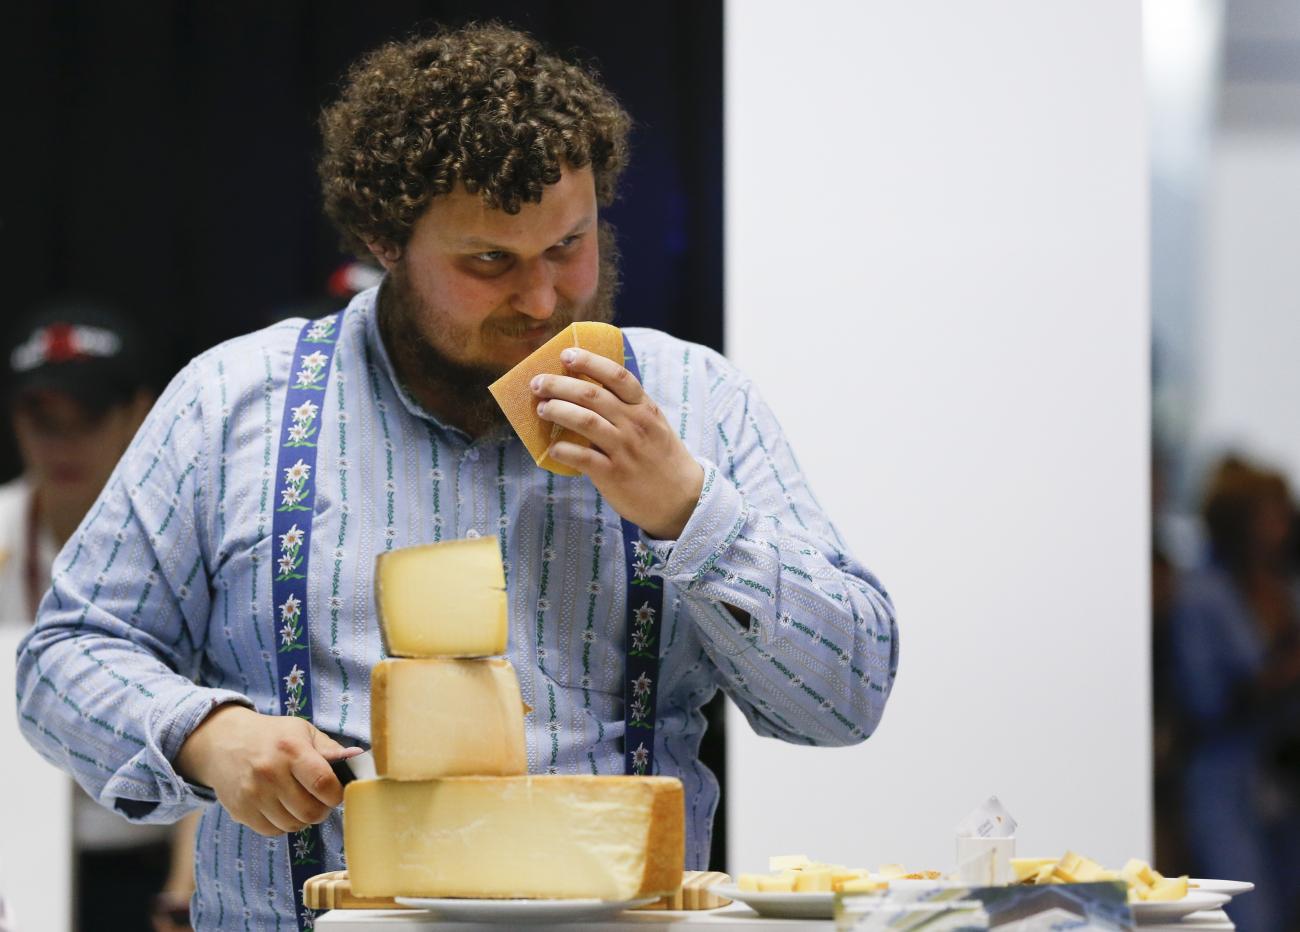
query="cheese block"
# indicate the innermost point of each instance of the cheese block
(442, 600)
(513, 394)
(439, 717)
(531, 837)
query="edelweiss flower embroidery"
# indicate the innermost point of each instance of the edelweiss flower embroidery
(640, 759)
(643, 639)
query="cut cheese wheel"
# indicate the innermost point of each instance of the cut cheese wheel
(532, 837)
(513, 394)
(439, 717)
(442, 600)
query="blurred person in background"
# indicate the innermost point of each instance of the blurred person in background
(77, 392)
(1169, 722)
(1236, 646)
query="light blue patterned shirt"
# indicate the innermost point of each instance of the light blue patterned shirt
(161, 602)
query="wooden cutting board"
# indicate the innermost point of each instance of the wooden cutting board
(331, 890)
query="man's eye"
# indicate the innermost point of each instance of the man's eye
(492, 256)
(568, 241)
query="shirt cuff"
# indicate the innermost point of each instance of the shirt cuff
(709, 532)
(148, 788)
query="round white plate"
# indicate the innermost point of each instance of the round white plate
(521, 912)
(781, 905)
(1230, 887)
(1161, 910)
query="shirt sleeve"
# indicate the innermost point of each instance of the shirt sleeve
(816, 659)
(105, 688)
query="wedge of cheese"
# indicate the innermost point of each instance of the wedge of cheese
(442, 600)
(513, 394)
(532, 837)
(439, 717)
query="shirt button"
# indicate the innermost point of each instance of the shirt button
(472, 455)
(471, 533)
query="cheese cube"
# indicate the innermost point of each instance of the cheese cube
(1022, 868)
(862, 885)
(531, 837)
(1086, 870)
(1168, 888)
(813, 881)
(442, 600)
(842, 875)
(787, 862)
(778, 883)
(1060, 875)
(439, 717)
(748, 882)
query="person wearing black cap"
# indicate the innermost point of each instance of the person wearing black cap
(77, 394)
(78, 389)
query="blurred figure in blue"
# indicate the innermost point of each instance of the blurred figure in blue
(1236, 648)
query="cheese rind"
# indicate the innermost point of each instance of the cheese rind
(438, 717)
(532, 837)
(442, 600)
(513, 394)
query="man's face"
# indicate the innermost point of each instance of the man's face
(69, 451)
(485, 288)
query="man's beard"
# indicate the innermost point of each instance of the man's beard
(461, 388)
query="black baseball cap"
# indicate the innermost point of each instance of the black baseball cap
(85, 350)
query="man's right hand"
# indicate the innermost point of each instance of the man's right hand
(271, 772)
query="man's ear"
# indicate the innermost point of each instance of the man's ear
(386, 253)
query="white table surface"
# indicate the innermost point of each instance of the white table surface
(737, 916)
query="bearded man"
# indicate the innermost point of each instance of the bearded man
(472, 165)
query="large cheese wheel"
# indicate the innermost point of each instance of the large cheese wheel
(533, 837)
(517, 400)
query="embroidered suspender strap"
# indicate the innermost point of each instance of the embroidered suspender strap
(645, 602)
(295, 488)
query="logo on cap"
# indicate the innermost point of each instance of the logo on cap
(59, 343)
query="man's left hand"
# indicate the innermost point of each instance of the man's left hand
(636, 460)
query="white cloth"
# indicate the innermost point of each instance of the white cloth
(15, 505)
(94, 827)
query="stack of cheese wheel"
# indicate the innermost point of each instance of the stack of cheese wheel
(454, 812)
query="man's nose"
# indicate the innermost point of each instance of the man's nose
(535, 290)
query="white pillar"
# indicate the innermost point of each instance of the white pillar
(936, 272)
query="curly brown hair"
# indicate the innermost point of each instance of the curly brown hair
(485, 106)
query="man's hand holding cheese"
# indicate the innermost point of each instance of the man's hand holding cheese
(473, 167)
(636, 461)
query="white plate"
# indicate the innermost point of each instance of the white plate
(521, 912)
(781, 905)
(1230, 887)
(1161, 910)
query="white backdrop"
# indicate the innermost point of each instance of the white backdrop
(936, 231)
(1249, 379)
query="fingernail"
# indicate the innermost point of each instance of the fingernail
(536, 383)
(541, 409)
(569, 355)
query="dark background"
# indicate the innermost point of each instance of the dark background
(159, 156)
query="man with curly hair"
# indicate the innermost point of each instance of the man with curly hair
(472, 165)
